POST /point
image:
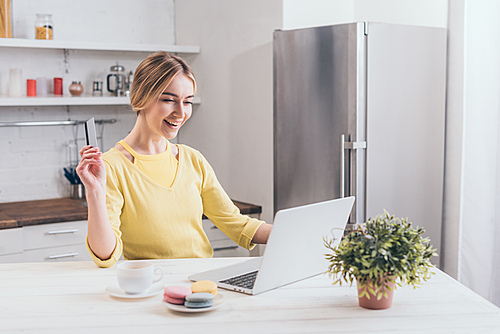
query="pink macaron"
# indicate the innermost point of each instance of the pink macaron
(176, 294)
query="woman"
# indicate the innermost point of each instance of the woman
(145, 196)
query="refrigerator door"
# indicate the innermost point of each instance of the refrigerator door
(405, 123)
(315, 102)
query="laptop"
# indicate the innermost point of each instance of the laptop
(294, 250)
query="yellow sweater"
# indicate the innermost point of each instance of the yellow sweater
(152, 221)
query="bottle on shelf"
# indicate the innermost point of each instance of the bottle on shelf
(41, 86)
(31, 87)
(58, 86)
(15, 82)
(97, 87)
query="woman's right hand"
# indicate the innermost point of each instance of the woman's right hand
(91, 169)
(92, 172)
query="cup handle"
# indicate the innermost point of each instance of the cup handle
(161, 274)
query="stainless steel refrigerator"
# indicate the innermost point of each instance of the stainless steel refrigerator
(359, 109)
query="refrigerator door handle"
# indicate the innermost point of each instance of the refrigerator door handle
(354, 145)
(350, 145)
(342, 164)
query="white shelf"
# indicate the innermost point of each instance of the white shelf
(63, 101)
(95, 46)
(68, 101)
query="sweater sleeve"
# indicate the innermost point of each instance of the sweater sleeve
(114, 204)
(222, 212)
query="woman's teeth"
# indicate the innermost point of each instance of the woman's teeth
(173, 123)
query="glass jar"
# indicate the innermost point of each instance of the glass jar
(5, 18)
(97, 87)
(44, 27)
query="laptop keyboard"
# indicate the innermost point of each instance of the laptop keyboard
(243, 281)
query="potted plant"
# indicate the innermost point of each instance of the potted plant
(379, 254)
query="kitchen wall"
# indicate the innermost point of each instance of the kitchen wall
(32, 157)
(313, 13)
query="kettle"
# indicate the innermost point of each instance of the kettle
(117, 81)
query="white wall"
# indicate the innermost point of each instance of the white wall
(114, 21)
(311, 13)
(233, 125)
(452, 209)
(428, 13)
(32, 158)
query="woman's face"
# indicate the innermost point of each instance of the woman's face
(173, 109)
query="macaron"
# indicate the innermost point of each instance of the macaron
(204, 286)
(176, 294)
(199, 300)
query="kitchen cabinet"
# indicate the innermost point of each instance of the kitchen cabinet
(45, 243)
(43, 230)
(11, 245)
(55, 242)
(11, 258)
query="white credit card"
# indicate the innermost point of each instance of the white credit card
(90, 133)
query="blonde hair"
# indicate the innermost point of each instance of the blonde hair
(153, 75)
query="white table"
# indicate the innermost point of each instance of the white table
(70, 297)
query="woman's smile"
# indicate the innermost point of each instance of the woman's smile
(174, 124)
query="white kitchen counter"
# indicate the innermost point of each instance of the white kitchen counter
(70, 297)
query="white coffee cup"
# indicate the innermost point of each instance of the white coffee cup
(137, 276)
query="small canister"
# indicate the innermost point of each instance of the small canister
(97, 88)
(44, 27)
(31, 87)
(41, 86)
(58, 86)
(77, 191)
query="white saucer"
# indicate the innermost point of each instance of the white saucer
(115, 291)
(218, 302)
